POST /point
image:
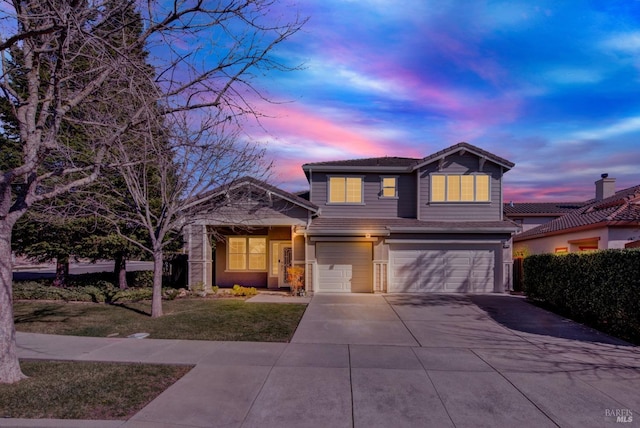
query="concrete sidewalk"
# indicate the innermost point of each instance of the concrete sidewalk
(379, 361)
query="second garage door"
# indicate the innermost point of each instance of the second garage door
(345, 266)
(441, 270)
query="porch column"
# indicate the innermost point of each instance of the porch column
(200, 263)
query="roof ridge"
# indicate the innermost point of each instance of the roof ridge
(622, 207)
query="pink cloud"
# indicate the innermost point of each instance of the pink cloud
(304, 131)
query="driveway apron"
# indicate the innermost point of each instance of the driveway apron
(357, 319)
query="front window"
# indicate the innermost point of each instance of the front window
(247, 253)
(389, 187)
(345, 190)
(459, 188)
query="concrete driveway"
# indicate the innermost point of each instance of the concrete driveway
(380, 361)
(480, 360)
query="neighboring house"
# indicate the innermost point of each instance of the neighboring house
(611, 220)
(529, 215)
(386, 224)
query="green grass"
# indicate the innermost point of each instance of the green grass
(196, 319)
(83, 390)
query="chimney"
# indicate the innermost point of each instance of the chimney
(605, 187)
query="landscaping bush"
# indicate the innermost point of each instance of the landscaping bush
(239, 290)
(601, 289)
(98, 292)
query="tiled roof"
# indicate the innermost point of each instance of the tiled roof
(541, 208)
(244, 181)
(623, 206)
(400, 162)
(402, 224)
(383, 161)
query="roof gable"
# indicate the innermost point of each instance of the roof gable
(250, 182)
(465, 148)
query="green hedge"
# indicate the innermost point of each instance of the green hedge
(143, 278)
(98, 292)
(601, 289)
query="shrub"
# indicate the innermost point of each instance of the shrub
(600, 289)
(98, 292)
(199, 289)
(170, 293)
(140, 278)
(239, 290)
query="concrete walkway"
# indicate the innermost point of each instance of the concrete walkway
(380, 361)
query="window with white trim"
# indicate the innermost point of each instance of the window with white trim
(247, 253)
(345, 190)
(389, 187)
(459, 188)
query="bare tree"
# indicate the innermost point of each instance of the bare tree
(166, 178)
(57, 58)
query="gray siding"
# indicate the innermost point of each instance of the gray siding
(461, 211)
(374, 206)
(224, 278)
(279, 212)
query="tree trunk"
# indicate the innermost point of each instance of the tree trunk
(9, 365)
(120, 270)
(156, 301)
(62, 271)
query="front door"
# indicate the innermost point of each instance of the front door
(285, 262)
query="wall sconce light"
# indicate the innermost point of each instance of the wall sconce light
(506, 244)
(367, 235)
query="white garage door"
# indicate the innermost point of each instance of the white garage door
(441, 270)
(345, 266)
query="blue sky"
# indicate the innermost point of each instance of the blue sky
(553, 86)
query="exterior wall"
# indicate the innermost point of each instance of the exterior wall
(253, 213)
(224, 278)
(298, 248)
(461, 211)
(374, 206)
(620, 236)
(550, 243)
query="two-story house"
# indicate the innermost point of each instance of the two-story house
(386, 224)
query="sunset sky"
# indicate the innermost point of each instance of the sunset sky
(553, 86)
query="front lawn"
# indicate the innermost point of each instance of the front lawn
(191, 319)
(84, 390)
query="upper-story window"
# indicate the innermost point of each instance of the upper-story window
(247, 253)
(459, 188)
(345, 190)
(389, 187)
